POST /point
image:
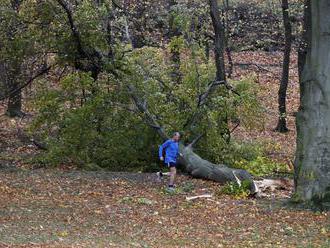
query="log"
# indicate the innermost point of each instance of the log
(201, 168)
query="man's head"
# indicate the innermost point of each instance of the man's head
(176, 136)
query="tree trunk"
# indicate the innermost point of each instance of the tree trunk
(227, 35)
(230, 61)
(201, 168)
(219, 40)
(281, 125)
(219, 47)
(14, 107)
(306, 36)
(312, 165)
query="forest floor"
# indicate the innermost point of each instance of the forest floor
(57, 208)
(65, 207)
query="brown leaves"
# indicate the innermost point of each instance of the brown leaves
(280, 147)
(86, 209)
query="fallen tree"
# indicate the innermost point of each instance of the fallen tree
(193, 163)
(88, 59)
(201, 168)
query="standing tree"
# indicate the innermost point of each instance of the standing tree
(312, 165)
(281, 125)
(219, 41)
(227, 37)
(219, 47)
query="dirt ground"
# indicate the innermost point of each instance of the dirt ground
(56, 208)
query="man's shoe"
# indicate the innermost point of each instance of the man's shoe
(159, 176)
(170, 189)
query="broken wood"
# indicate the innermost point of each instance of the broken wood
(267, 187)
(190, 198)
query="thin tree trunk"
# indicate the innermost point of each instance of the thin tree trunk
(227, 34)
(207, 51)
(14, 107)
(230, 62)
(219, 47)
(219, 40)
(137, 33)
(281, 125)
(312, 164)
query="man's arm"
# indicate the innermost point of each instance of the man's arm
(161, 148)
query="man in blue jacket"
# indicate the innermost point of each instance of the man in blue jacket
(171, 150)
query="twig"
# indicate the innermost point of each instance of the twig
(234, 128)
(198, 196)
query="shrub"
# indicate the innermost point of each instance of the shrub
(261, 166)
(236, 190)
(94, 124)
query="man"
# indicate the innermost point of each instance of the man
(171, 150)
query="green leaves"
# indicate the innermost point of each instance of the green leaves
(261, 166)
(236, 190)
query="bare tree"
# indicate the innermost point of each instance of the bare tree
(281, 125)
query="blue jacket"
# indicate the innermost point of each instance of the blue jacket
(171, 151)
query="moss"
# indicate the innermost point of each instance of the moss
(322, 201)
(309, 175)
(296, 198)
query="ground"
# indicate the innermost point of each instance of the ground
(56, 208)
(65, 207)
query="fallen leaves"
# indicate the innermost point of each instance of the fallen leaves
(140, 213)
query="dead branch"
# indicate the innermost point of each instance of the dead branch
(142, 107)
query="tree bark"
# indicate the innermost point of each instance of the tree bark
(14, 107)
(312, 164)
(201, 168)
(219, 47)
(281, 125)
(219, 40)
(227, 35)
(306, 36)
